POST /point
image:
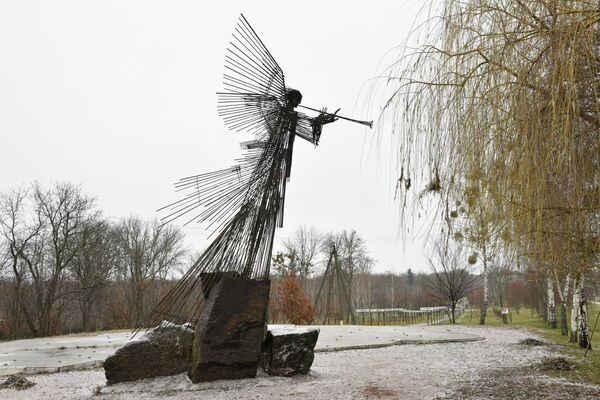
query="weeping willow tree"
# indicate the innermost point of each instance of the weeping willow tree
(500, 107)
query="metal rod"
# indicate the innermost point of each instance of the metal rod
(367, 123)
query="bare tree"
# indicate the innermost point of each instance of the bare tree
(304, 247)
(19, 235)
(5, 256)
(41, 245)
(64, 212)
(451, 277)
(500, 275)
(352, 250)
(361, 284)
(92, 267)
(148, 252)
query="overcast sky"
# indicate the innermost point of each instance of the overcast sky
(120, 97)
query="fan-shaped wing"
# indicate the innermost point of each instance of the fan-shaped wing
(214, 198)
(254, 86)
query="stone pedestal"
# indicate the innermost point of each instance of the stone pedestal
(209, 279)
(289, 351)
(230, 331)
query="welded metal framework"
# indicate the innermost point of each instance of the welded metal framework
(242, 204)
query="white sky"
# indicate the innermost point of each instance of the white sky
(120, 96)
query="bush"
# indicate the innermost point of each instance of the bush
(293, 301)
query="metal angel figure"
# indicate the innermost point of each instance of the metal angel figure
(242, 204)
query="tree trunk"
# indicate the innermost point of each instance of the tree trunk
(14, 312)
(85, 316)
(484, 305)
(551, 303)
(21, 303)
(574, 310)
(44, 320)
(563, 306)
(583, 328)
(453, 314)
(138, 304)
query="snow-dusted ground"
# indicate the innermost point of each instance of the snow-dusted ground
(411, 371)
(64, 353)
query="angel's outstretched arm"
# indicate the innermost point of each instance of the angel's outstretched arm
(310, 128)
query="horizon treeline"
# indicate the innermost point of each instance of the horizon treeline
(65, 267)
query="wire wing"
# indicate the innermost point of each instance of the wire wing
(213, 198)
(254, 85)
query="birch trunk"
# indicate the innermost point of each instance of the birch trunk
(583, 328)
(551, 303)
(563, 305)
(484, 305)
(574, 310)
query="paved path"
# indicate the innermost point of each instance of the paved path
(65, 353)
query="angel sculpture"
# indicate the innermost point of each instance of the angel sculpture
(242, 204)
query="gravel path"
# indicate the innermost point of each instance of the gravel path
(449, 370)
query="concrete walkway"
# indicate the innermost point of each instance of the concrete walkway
(66, 353)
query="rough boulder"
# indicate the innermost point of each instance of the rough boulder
(166, 350)
(289, 351)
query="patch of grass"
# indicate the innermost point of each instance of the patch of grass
(16, 382)
(522, 317)
(532, 342)
(556, 364)
(586, 370)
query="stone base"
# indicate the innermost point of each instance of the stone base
(289, 351)
(209, 279)
(166, 350)
(230, 331)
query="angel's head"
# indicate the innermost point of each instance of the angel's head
(293, 97)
